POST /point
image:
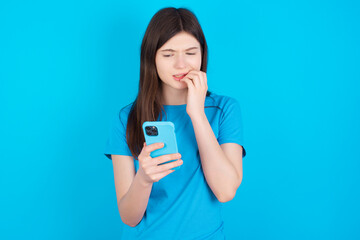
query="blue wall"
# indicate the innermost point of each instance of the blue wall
(66, 68)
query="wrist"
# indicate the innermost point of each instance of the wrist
(142, 181)
(200, 116)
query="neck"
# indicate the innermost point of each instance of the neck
(171, 96)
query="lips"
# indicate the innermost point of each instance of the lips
(179, 76)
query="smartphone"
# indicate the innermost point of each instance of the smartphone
(161, 131)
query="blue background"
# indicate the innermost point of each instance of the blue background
(67, 67)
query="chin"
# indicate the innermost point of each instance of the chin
(180, 86)
(171, 83)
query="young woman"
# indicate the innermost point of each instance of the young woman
(154, 201)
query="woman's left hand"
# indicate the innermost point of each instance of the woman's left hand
(196, 82)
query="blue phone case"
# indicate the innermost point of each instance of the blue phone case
(166, 135)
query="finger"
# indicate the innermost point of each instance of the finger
(200, 78)
(167, 166)
(188, 82)
(195, 78)
(167, 157)
(204, 79)
(164, 167)
(159, 176)
(155, 169)
(152, 147)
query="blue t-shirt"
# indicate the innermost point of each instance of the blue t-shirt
(182, 205)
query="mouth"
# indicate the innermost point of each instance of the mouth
(179, 76)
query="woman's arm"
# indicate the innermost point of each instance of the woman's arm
(131, 192)
(222, 166)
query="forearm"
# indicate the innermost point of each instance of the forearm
(133, 204)
(219, 172)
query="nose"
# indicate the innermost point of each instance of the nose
(180, 61)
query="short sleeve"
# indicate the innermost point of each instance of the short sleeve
(231, 125)
(116, 142)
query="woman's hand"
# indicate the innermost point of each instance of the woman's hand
(149, 170)
(196, 82)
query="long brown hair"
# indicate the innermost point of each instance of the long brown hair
(147, 106)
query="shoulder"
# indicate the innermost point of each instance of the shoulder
(125, 110)
(220, 101)
(123, 113)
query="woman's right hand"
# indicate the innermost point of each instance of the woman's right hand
(149, 170)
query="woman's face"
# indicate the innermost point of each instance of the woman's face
(179, 55)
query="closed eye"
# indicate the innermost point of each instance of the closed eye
(169, 55)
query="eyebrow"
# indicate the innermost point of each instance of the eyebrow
(172, 50)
